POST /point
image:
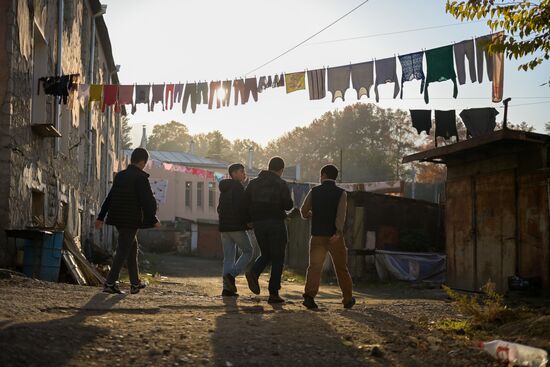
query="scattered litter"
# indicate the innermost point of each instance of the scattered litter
(516, 354)
(228, 364)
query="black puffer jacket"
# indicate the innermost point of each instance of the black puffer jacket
(230, 206)
(130, 203)
(267, 197)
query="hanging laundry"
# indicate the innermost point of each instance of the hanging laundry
(169, 96)
(338, 81)
(281, 82)
(250, 86)
(316, 84)
(386, 73)
(269, 83)
(295, 81)
(189, 93)
(110, 97)
(422, 120)
(498, 71)
(158, 96)
(202, 91)
(440, 68)
(479, 121)
(362, 78)
(482, 51)
(262, 84)
(125, 94)
(215, 90)
(83, 94)
(142, 97)
(238, 86)
(96, 94)
(59, 86)
(461, 50)
(178, 92)
(445, 125)
(226, 87)
(411, 67)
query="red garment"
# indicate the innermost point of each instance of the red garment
(125, 96)
(110, 97)
(169, 89)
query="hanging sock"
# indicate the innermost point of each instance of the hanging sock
(169, 96)
(190, 93)
(202, 91)
(440, 66)
(362, 78)
(158, 96)
(479, 121)
(481, 51)
(498, 71)
(421, 120)
(338, 81)
(295, 81)
(386, 73)
(411, 67)
(125, 95)
(142, 97)
(461, 50)
(178, 92)
(110, 97)
(83, 94)
(214, 93)
(316, 84)
(226, 87)
(96, 94)
(445, 125)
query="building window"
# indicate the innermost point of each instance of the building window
(211, 194)
(38, 207)
(188, 193)
(200, 193)
(40, 69)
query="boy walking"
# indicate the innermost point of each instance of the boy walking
(130, 205)
(267, 197)
(326, 205)
(232, 226)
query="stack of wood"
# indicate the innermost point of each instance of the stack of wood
(81, 270)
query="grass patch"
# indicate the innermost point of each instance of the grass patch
(292, 276)
(148, 265)
(459, 327)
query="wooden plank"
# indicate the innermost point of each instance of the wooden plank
(73, 268)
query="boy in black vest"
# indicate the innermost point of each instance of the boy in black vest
(129, 205)
(232, 227)
(266, 199)
(326, 205)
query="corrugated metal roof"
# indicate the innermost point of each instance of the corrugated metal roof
(184, 158)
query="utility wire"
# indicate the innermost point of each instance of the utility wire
(310, 37)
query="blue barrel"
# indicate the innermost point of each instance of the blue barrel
(42, 258)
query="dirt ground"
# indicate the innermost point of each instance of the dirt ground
(182, 320)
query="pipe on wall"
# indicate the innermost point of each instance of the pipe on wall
(58, 68)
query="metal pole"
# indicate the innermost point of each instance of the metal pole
(341, 165)
(58, 69)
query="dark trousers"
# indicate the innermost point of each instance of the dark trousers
(127, 250)
(272, 239)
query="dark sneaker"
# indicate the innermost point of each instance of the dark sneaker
(350, 304)
(275, 298)
(112, 289)
(309, 302)
(252, 282)
(229, 281)
(227, 293)
(134, 289)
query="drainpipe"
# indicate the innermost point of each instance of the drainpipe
(250, 157)
(58, 68)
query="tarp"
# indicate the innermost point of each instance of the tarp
(410, 266)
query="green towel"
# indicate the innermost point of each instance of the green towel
(440, 68)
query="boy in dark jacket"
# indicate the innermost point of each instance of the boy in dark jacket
(129, 205)
(266, 199)
(232, 226)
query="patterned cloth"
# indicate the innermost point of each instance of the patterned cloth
(411, 66)
(295, 81)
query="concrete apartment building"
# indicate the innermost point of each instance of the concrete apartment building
(57, 160)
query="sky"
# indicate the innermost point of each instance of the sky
(186, 41)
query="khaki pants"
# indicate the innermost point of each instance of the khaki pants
(318, 248)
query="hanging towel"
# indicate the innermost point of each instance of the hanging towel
(411, 67)
(125, 94)
(498, 72)
(178, 92)
(479, 121)
(445, 125)
(169, 96)
(316, 84)
(482, 44)
(421, 120)
(158, 96)
(465, 49)
(386, 73)
(83, 94)
(142, 96)
(295, 81)
(110, 97)
(338, 81)
(440, 68)
(96, 93)
(362, 78)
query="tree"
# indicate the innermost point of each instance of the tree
(213, 145)
(527, 24)
(547, 127)
(172, 137)
(126, 132)
(240, 149)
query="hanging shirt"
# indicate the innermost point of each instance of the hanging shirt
(445, 125)
(295, 81)
(421, 120)
(362, 78)
(440, 68)
(142, 96)
(158, 96)
(316, 84)
(110, 97)
(479, 121)
(465, 49)
(126, 94)
(386, 73)
(96, 93)
(411, 67)
(338, 81)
